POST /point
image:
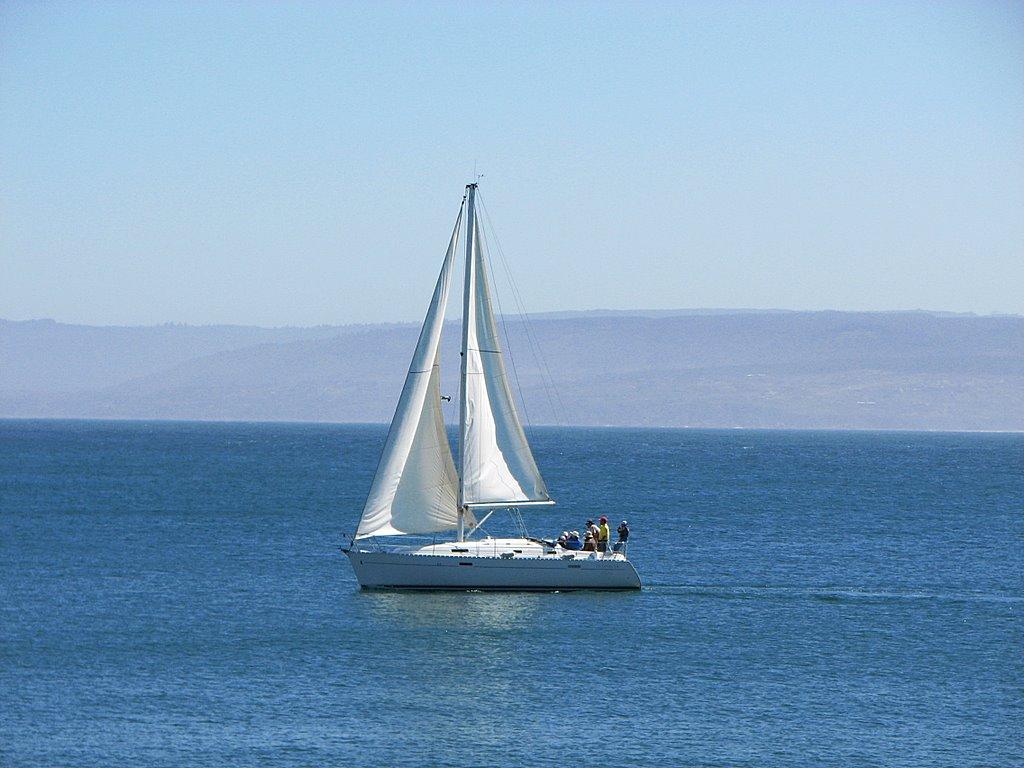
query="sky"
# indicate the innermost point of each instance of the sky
(303, 163)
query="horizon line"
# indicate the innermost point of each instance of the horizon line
(566, 314)
(385, 424)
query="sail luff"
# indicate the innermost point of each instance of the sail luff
(415, 487)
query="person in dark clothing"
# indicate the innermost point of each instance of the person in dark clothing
(623, 531)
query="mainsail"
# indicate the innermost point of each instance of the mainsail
(415, 489)
(497, 465)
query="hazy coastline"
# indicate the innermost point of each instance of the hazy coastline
(703, 369)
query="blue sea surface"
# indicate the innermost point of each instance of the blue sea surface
(172, 594)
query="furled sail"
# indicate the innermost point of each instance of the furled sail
(415, 489)
(497, 464)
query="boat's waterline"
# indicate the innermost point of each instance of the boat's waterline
(491, 564)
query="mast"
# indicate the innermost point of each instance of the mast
(467, 304)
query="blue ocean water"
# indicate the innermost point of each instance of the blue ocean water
(172, 594)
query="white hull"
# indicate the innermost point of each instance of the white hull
(495, 564)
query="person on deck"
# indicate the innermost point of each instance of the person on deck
(590, 540)
(623, 531)
(604, 534)
(573, 542)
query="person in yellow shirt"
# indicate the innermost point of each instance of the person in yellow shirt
(603, 535)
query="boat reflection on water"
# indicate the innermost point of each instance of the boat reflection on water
(446, 610)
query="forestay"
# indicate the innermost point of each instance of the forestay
(415, 489)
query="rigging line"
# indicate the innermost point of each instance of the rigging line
(517, 300)
(504, 326)
(547, 380)
(548, 383)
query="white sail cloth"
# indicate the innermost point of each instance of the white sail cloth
(415, 489)
(497, 464)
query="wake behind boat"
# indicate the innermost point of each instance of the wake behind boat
(417, 489)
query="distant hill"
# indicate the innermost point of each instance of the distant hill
(698, 368)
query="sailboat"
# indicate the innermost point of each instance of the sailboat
(417, 489)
